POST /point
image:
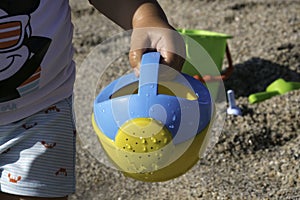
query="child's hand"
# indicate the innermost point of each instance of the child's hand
(164, 40)
(152, 32)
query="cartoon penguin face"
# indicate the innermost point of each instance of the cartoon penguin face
(21, 53)
(13, 54)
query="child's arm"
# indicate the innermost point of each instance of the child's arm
(142, 16)
(126, 13)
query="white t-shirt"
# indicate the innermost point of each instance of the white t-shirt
(36, 66)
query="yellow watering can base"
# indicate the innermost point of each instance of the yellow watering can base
(143, 150)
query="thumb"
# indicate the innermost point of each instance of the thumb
(135, 57)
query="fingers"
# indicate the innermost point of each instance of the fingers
(139, 42)
(166, 41)
(172, 60)
(135, 57)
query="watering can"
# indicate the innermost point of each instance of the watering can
(153, 130)
(277, 87)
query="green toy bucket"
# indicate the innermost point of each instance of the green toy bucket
(215, 44)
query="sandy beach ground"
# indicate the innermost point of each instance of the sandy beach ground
(257, 155)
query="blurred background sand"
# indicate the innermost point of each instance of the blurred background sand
(257, 155)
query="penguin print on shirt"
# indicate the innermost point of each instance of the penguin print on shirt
(21, 53)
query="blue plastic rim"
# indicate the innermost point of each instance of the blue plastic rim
(184, 118)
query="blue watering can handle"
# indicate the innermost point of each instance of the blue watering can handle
(149, 74)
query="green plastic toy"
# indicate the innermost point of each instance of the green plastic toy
(277, 87)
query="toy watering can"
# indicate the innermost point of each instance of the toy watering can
(153, 130)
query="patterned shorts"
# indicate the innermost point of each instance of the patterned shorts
(37, 154)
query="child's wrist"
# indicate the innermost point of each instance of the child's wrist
(149, 15)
